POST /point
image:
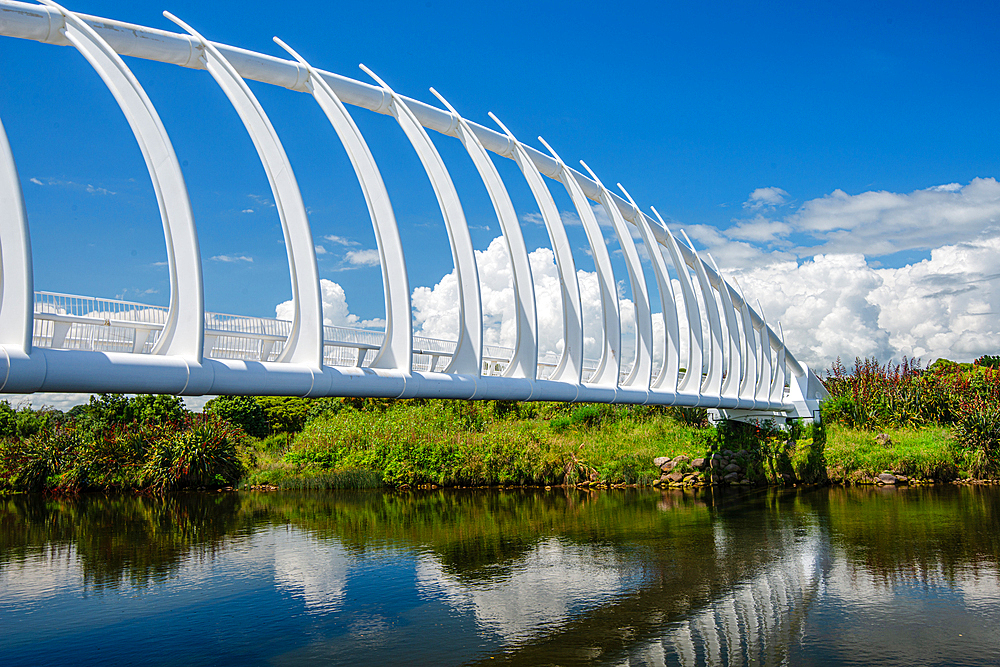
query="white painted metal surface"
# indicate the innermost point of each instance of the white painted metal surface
(53, 342)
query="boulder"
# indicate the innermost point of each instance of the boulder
(675, 477)
(732, 467)
(660, 460)
(681, 458)
(886, 478)
(668, 466)
(728, 453)
(883, 440)
(699, 464)
(731, 478)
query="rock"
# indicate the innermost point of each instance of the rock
(675, 477)
(743, 454)
(698, 464)
(732, 467)
(668, 466)
(883, 440)
(660, 460)
(681, 458)
(731, 478)
(886, 478)
(902, 479)
(728, 453)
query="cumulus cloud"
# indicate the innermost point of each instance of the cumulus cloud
(335, 310)
(320, 250)
(231, 258)
(435, 309)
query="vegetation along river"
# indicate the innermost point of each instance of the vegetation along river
(740, 576)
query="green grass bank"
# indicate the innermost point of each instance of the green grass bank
(940, 423)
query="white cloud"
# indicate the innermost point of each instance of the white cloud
(839, 305)
(362, 257)
(262, 201)
(320, 250)
(335, 310)
(247, 210)
(231, 258)
(880, 223)
(762, 197)
(340, 240)
(36, 181)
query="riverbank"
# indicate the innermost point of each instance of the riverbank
(150, 445)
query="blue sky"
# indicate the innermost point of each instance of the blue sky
(770, 132)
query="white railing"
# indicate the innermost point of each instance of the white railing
(67, 321)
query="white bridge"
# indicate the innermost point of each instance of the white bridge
(732, 360)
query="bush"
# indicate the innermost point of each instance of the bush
(977, 435)
(242, 411)
(8, 420)
(285, 414)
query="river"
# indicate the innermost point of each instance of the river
(895, 576)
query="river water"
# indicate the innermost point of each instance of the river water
(528, 577)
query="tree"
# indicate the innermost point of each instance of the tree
(242, 411)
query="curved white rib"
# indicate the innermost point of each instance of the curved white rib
(712, 385)
(748, 383)
(780, 371)
(570, 366)
(691, 382)
(670, 368)
(763, 393)
(183, 331)
(305, 342)
(641, 374)
(397, 348)
(17, 292)
(734, 362)
(608, 367)
(468, 356)
(524, 362)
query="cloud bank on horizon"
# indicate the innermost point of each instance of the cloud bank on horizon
(814, 267)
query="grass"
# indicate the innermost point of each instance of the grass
(923, 453)
(453, 443)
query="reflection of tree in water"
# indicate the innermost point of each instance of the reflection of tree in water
(918, 533)
(133, 539)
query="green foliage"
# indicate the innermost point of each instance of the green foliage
(285, 414)
(8, 420)
(988, 361)
(977, 436)
(242, 411)
(157, 409)
(145, 456)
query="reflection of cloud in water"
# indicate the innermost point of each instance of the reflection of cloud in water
(543, 590)
(41, 576)
(310, 568)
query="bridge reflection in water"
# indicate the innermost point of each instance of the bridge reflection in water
(521, 577)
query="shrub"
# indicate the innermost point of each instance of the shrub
(285, 414)
(242, 411)
(977, 434)
(8, 420)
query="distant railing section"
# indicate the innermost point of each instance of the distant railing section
(67, 321)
